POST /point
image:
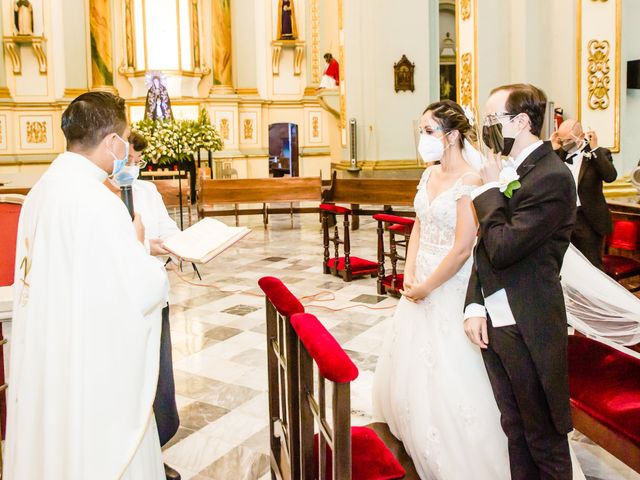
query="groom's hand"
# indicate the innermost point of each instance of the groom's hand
(491, 168)
(476, 330)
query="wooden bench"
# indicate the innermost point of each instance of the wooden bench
(212, 193)
(371, 191)
(604, 385)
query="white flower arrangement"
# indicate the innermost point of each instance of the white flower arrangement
(177, 140)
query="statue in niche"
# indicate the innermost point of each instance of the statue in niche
(158, 106)
(287, 22)
(23, 17)
(331, 76)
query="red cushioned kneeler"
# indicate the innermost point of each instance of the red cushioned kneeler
(9, 216)
(370, 457)
(605, 383)
(387, 282)
(619, 267)
(359, 265)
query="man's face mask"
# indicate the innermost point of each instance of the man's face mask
(120, 163)
(493, 136)
(573, 145)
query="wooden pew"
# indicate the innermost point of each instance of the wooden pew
(258, 190)
(170, 192)
(371, 191)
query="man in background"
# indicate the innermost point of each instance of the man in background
(590, 165)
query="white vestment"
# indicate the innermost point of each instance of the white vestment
(85, 335)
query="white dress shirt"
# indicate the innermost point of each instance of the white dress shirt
(499, 303)
(575, 167)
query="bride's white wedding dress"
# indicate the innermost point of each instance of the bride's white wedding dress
(430, 385)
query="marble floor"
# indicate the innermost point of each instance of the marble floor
(217, 328)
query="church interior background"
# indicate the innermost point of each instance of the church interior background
(255, 67)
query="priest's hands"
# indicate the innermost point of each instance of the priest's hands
(476, 330)
(593, 139)
(138, 225)
(413, 290)
(157, 247)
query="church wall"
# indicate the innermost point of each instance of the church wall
(377, 34)
(629, 154)
(244, 43)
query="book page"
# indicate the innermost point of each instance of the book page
(202, 241)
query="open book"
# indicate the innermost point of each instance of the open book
(204, 240)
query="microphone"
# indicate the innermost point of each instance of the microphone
(124, 179)
(126, 193)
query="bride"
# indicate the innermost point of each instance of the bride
(430, 385)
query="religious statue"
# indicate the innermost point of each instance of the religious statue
(287, 25)
(331, 76)
(23, 17)
(158, 105)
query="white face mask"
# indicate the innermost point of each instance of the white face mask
(120, 163)
(430, 148)
(126, 176)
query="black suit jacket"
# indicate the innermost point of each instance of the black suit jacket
(521, 246)
(593, 171)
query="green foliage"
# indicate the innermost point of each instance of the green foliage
(171, 140)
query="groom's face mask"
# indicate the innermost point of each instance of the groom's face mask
(499, 132)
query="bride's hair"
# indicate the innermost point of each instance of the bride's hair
(450, 116)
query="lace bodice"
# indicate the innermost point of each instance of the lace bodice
(437, 223)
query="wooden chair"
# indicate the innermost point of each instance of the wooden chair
(626, 237)
(337, 451)
(10, 207)
(348, 267)
(284, 409)
(397, 227)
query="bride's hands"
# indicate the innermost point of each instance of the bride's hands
(413, 290)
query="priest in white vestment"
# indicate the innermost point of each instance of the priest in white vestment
(86, 322)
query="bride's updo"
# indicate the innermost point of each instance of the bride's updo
(450, 116)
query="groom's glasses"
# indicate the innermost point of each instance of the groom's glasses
(495, 118)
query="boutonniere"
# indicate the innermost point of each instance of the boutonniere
(588, 155)
(509, 181)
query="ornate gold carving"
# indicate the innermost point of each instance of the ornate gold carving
(247, 129)
(466, 83)
(224, 128)
(343, 80)
(315, 41)
(598, 78)
(195, 35)
(1, 133)
(36, 132)
(465, 9)
(12, 47)
(315, 127)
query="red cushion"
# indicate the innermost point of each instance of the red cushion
(330, 207)
(280, 296)
(625, 235)
(386, 281)
(9, 216)
(333, 363)
(358, 265)
(620, 267)
(385, 217)
(605, 383)
(370, 457)
(401, 229)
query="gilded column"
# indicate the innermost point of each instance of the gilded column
(222, 80)
(467, 53)
(100, 27)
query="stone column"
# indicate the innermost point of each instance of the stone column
(101, 40)
(222, 53)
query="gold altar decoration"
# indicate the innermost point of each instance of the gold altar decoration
(315, 42)
(598, 42)
(12, 47)
(224, 128)
(130, 60)
(36, 132)
(222, 80)
(100, 28)
(315, 127)
(466, 95)
(247, 128)
(598, 79)
(465, 9)
(343, 79)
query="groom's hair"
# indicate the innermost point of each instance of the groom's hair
(526, 98)
(91, 117)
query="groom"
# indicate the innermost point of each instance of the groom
(514, 310)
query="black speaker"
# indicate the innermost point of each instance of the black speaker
(633, 74)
